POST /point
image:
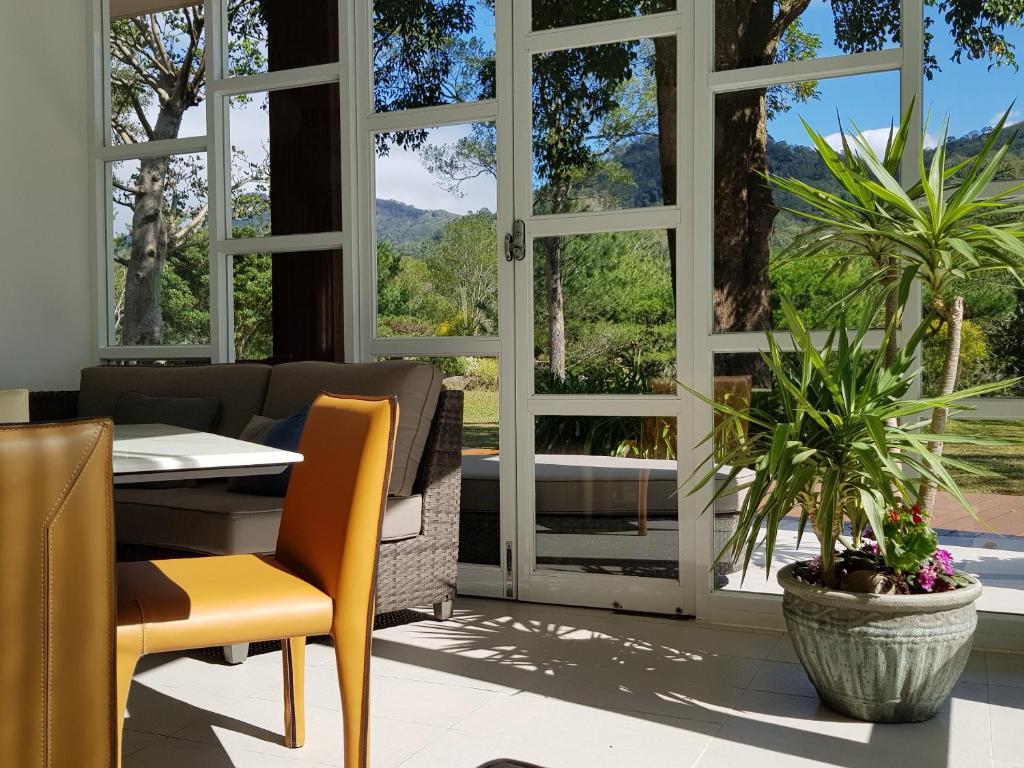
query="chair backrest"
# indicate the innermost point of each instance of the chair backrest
(57, 596)
(330, 527)
(13, 406)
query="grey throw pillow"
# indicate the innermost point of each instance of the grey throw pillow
(256, 430)
(198, 413)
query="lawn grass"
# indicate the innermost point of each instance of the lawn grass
(480, 419)
(1007, 460)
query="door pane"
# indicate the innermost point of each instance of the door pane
(604, 314)
(433, 52)
(159, 265)
(480, 510)
(974, 88)
(437, 237)
(605, 495)
(549, 14)
(763, 32)
(752, 226)
(604, 127)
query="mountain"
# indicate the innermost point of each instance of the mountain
(403, 224)
(407, 225)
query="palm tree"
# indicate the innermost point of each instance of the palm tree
(938, 231)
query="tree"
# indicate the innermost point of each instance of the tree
(461, 267)
(157, 60)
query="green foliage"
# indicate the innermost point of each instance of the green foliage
(462, 268)
(833, 452)
(905, 542)
(482, 373)
(619, 308)
(254, 339)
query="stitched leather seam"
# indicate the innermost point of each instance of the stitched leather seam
(46, 556)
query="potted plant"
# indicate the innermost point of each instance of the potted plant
(880, 619)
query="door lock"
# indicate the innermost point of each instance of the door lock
(515, 242)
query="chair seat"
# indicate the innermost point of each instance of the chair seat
(205, 601)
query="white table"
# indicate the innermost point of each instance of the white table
(157, 452)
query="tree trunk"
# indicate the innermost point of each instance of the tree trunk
(954, 317)
(666, 77)
(142, 322)
(747, 33)
(552, 247)
(744, 213)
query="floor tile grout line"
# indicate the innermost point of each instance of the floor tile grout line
(714, 736)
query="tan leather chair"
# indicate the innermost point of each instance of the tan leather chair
(13, 406)
(319, 581)
(57, 596)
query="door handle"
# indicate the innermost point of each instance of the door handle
(515, 242)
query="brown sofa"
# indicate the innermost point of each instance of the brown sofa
(419, 547)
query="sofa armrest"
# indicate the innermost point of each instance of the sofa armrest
(53, 405)
(440, 475)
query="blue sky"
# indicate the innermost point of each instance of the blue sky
(972, 95)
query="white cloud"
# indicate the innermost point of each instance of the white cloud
(1015, 116)
(876, 138)
(401, 176)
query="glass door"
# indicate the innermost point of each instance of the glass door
(600, 257)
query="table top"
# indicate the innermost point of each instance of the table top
(157, 452)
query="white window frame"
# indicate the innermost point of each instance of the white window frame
(217, 147)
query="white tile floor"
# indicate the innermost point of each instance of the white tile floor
(562, 688)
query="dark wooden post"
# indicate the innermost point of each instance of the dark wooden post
(305, 186)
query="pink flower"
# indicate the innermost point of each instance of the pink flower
(926, 577)
(872, 547)
(944, 561)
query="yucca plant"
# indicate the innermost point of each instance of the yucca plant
(845, 450)
(937, 231)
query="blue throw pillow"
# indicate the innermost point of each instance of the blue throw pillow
(284, 434)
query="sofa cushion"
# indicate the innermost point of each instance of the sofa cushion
(240, 388)
(209, 519)
(256, 430)
(198, 413)
(417, 386)
(596, 485)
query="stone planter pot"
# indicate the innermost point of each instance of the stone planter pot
(881, 658)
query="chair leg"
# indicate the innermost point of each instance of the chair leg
(352, 651)
(129, 649)
(236, 653)
(293, 652)
(443, 610)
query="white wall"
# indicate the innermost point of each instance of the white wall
(46, 279)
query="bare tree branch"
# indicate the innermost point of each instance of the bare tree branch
(191, 226)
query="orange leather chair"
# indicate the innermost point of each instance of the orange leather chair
(57, 596)
(319, 581)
